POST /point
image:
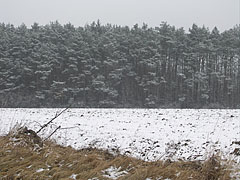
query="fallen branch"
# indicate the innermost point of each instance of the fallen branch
(55, 117)
(52, 133)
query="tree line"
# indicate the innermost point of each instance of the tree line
(119, 66)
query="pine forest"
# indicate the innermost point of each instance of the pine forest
(113, 66)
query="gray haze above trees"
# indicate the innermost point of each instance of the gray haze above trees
(182, 13)
(112, 66)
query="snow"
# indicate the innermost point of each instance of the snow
(73, 176)
(113, 172)
(39, 170)
(29, 166)
(148, 134)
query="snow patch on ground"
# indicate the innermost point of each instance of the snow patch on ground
(73, 176)
(40, 170)
(113, 172)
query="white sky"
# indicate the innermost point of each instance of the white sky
(182, 13)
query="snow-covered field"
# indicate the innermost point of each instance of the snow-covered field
(149, 134)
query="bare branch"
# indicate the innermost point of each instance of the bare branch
(52, 133)
(55, 117)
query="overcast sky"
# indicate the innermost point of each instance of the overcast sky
(182, 13)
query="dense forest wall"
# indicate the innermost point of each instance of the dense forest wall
(112, 66)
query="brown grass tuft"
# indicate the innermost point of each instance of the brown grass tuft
(23, 155)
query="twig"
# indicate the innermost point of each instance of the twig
(52, 133)
(37, 123)
(70, 127)
(56, 116)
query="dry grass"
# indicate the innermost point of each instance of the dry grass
(24, 156)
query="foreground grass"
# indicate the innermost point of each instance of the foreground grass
(23, 155)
